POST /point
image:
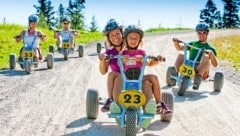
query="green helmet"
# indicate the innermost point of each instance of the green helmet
(132, 28)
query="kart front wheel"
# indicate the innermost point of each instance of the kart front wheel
(131, 122)
(183, 86)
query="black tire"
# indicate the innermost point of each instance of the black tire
(171, 71)
(51, 49)
(183, 86)
(167, 97)
(50, 60)
(12, 61)
(131, 122)
(27, 66)
(80, 50)
(218, 81)
(99, 48)
(65, 54)
(92, 104)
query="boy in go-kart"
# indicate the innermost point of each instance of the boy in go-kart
(203, 62)
(31, 37)
(65, 35)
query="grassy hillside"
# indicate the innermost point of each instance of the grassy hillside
(228, 48)
(9, 45)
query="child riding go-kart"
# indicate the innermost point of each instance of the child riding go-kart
(29, 57)
(65, 39)
(187, 72)
(131, 98)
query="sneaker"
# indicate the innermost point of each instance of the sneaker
(163, 109)
(197, 82)
(115, 108)
(149, 109)
(106, 106)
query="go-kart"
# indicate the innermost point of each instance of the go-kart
(184, 78)
(29, 58)
(66, 48)
(131, 98)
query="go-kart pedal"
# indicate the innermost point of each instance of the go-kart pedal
(115, 108)
(149, 109)
(197, 82)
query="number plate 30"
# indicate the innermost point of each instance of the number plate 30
(132, 98)
(186, 70)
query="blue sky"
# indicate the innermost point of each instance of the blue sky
(150, 13)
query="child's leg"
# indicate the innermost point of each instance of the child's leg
(117, 86)
(179, 61)
(156, 90)
(110, 83)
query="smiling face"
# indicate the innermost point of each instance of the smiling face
(133, 39)
(115, 37)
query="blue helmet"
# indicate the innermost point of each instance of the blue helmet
(202, 27)
(66, 18)
(33, 18)
(132, 28)
(111, 25)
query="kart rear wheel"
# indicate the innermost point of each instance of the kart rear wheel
(50, 60)
(218, 81)
(12, 61)
(183, 86)
(167, 97)
(51, 49)
(92, 104)
(171, 71)
(80, 50)
(131, 122)
(99, 47)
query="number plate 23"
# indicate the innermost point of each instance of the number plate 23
(186, 70)
(132, 98)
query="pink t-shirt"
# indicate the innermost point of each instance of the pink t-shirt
(133, 59)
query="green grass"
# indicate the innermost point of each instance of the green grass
(228, 48)
(8, 45)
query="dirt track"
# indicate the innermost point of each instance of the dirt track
(52, 102)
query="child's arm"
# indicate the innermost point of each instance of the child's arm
(177, 45)
(155, 60)
(41, 36)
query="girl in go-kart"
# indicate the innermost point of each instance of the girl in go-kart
(114, 36)
(133, 39)
(31, 36)
(203, 62)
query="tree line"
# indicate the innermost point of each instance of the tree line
(209, 15)
(50, 18)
